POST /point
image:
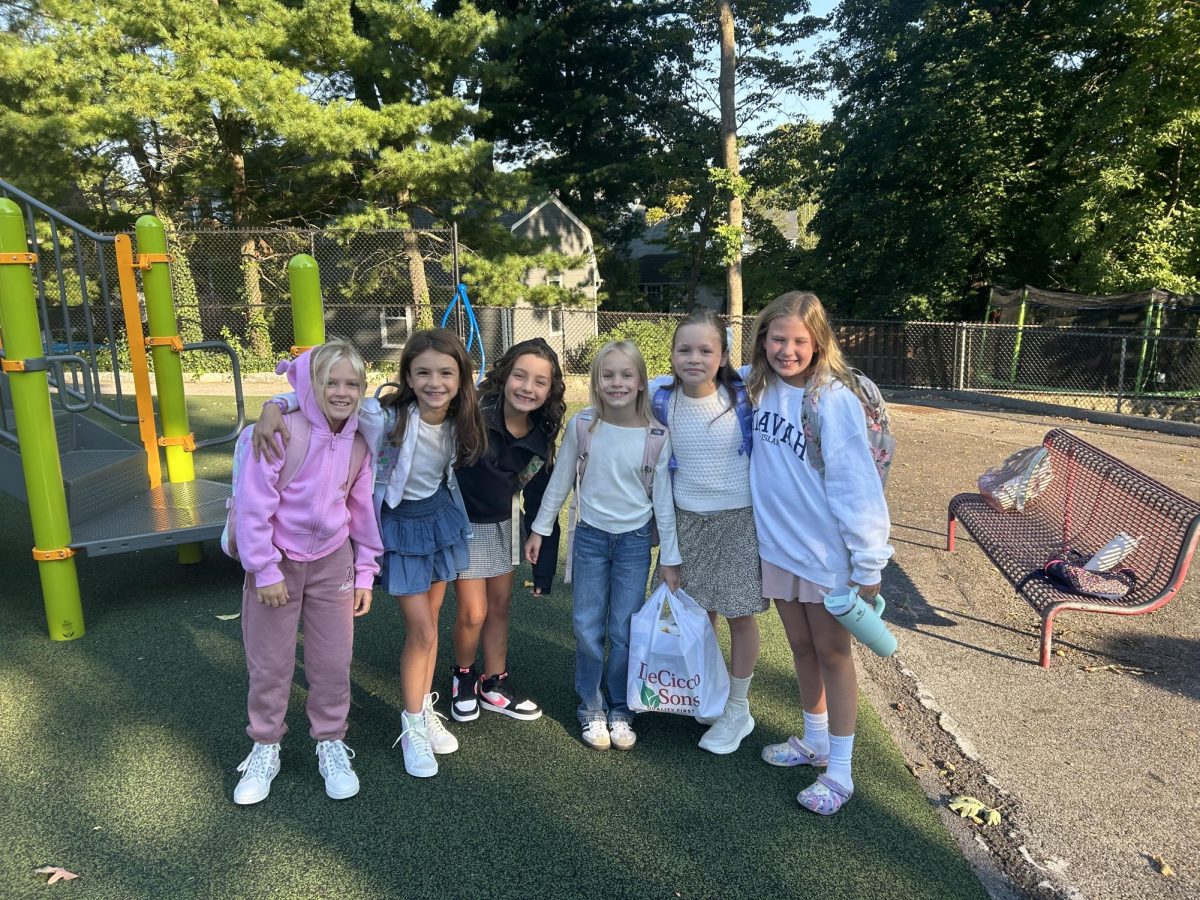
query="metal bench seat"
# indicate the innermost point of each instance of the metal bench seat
(1091, 498)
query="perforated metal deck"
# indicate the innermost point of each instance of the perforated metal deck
(170, 514)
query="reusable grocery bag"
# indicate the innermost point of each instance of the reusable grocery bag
(675, 664)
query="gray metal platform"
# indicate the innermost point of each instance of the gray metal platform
(169, 514)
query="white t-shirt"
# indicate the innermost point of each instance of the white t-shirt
(826, 530)
(612, 496)
(711, 475)
(429, 460)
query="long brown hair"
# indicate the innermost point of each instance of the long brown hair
(827, 363)
(469, 434)
(548, 418)
(726, 376)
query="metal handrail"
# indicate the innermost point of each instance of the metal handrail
(239, 399)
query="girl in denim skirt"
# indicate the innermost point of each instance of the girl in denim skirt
(610, 548)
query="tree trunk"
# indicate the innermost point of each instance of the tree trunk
(729, 151)
(258, 332)
(183, 286)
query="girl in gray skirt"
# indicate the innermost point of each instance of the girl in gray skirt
(522, 398)
(704, 404)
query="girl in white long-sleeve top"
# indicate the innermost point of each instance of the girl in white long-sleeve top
(611, 545)
(817, 531)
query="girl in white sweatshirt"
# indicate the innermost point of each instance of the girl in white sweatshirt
(817, 532)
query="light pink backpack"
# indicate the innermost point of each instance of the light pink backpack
(656, 437)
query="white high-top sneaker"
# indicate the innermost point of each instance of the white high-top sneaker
(333, 762)
(260, 768)
(440, 738)
(414, 738)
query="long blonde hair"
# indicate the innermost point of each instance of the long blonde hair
(595, 396)
(827, 363)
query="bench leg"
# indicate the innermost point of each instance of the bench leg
(1047, 637)
(951, 525)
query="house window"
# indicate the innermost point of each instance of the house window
(395, 325)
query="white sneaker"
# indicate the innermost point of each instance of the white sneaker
(414, 738)
(727, 732)
(260, 768)
(440, 739)
(595, 735)
(622, 735)
(333, 762)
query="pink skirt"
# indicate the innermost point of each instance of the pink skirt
(780, 584)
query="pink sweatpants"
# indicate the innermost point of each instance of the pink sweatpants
(322, 592)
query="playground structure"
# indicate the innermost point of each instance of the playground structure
(71, 312)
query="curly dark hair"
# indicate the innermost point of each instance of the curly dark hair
(550, 415)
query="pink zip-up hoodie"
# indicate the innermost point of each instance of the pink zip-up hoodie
(315, 513)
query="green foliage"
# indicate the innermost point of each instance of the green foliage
(652, 336)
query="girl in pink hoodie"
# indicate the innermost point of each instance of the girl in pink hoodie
(310, 551)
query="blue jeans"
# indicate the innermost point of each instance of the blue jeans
(609, 586)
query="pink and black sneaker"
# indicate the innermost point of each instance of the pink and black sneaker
(498, 696)
(464, 694)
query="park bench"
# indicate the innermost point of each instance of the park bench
(1091, 498)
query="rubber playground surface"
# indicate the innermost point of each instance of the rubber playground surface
(118, 750)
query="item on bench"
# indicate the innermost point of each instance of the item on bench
(1073, 577)
(862, 620)
(1015, 483)
(1110, 555)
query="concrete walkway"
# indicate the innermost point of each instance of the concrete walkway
(1094, 763)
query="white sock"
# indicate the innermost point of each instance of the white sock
(840, 749)
(739, 691)
(816, 732)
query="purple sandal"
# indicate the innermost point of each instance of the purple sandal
(824, 797)
(793, 752)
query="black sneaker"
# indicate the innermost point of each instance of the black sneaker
(464, 694)
(498, 696)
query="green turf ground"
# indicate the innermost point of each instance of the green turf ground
(117, 756)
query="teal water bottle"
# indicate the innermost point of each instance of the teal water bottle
(862, 620)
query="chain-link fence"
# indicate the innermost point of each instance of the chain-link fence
(380, 286)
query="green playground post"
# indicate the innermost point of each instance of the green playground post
(308, 315)
(25, 364)
(1012, 375)
(166, 347)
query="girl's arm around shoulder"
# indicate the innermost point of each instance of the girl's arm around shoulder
(372, 422)
(364, 526)
(664, 509)
(561, 481)
(852, 484)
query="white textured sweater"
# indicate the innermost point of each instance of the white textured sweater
(827, 531)
(711, 475)
(612, 496)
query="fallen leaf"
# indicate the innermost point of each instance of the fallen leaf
(1164, 867)
(56, 873)
(230, 617)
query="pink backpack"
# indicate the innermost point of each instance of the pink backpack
(656, 437)
(300, 431)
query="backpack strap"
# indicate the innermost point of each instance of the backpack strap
(299, 436)
(745, 414)
(659, 404)
(656, 436)
(583, 444)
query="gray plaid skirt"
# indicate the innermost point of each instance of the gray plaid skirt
(491, 550)
(720, 561)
